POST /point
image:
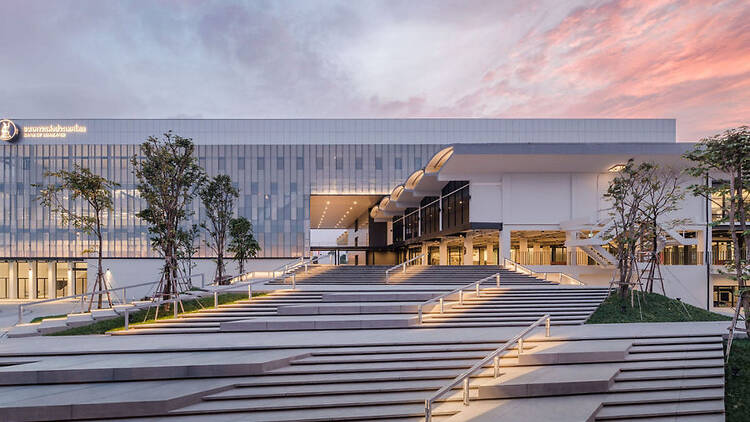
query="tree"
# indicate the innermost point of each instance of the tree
(721, 157)
(243, 244)
(218, 197)
(96, 192)
(168, 179)
(186, 250)
(626, 193)
(661, 196)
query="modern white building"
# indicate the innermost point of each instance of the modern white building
(458, 191)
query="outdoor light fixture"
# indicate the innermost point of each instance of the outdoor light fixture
(616, 168)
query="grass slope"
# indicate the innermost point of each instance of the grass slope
(737, 378)
(139, 317)
(654, 308)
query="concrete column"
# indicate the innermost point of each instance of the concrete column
(71, 281)
(490, 254)
(51, 279)
(33, 275)
(12, 280)
(535, 255)
(573, 250)
(523, 251)
(468, 250)
(443, 251)
(504, 245)
(425, 250)
(546, 255)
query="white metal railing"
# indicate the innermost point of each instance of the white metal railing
(82, 296)
(460, 291)
(561, 277)
(277, 272)
(403, 266)
(495, 355)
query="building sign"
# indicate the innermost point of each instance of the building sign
(8, 130)
(52, 131)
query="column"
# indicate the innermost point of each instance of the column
(32, 279)
(71, 287)
(535, 256)
(546, 256)
(490, 254)
(425, 250)
(13, 280)
(51, 279)
(523, 251)
(443, 251)
(572, 250)
(504, 245)
(468, 250)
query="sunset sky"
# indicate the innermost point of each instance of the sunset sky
(689, 60)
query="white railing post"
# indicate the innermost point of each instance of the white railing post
(466, 391)
(127, 319)
(497, 280)
(546, 326)
(294, 282)
(461, 297)
(419, 313)
(520, 345)
(497, 366)
(249, 291)
(216, 299)
(477, 286)
(441, 305)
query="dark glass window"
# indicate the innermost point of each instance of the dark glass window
(293, 188)
(280, 163)
(378, 163)
(339, 163)
(319, 163)
(300, 163)
(397, 163)
(222, 164)
(358, 163)
(254, 188)
(261, 162)
(417, 163)
(241, 163)
(274, 188)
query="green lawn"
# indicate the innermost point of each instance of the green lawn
(737, 382)
(654, 308)
(138, 317)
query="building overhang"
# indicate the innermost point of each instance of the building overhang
(483, 159)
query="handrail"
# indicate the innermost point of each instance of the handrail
(96, 292)
(460, 291)
(283, 269)
(465, 376)
(403, 265)
(509, 264)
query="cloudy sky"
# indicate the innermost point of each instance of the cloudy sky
(653, 58)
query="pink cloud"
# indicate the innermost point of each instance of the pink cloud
(628, 58)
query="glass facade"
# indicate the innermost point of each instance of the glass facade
(275, 180)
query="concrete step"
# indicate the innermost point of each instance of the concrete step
(632, 411)
(309, 402)
(667, 384)
(321, 322)
(53, 325)
(24, 330)
(665, 396)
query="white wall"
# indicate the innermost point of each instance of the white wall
(486, 202)
(688, 282)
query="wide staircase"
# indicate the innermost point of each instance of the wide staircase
(653, 378)
(341, 304)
